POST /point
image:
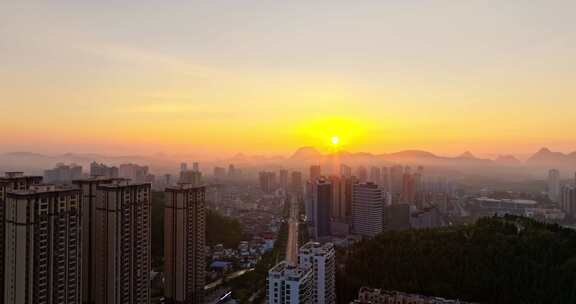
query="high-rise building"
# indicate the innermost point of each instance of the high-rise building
(375, 175)
(321, 259)
(385, 179)
(183, 167)
(396, 179)
(43, 246)
(322, 210)
(219, 173)
(134, 172)
(367, 209)
(11, 181)
(345, 171)
(122, 251)
(554, 185)
(184, 244)
(315, 173)
(283, 179)
(362, 174)
(288, 284)
(97, 169)
(568, 200)
(267, 181)
(196, 166)
(63, 173)
(88, 206)
(296, 182)
(340, 208)
(191, 177)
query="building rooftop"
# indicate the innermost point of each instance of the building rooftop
(317, 247)
(44, 188)
(290, 272)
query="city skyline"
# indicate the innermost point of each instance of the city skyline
(264, 78)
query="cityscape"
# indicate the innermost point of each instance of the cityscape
(287, 152)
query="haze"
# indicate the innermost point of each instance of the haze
(266, 77)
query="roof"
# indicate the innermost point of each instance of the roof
(220, 264)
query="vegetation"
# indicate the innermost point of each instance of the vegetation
(222, 229)
(496, 260)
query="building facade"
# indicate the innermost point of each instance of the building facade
(288, 284)
(43, 246)
(554, 185)
(184, 244)
(11, 181)
(367, 209)
(89, 187)
(322, 211)
(122, 249)
(320, 258)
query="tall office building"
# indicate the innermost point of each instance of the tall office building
(385, 179)
(88, 206)
(345, 171)
(367, 209)
(219, 173)
(362, 174)
(122, 251)
(396, 179)
(11, 181)
(196, 166)
(63, 173)
(97, 169)
(191, 177)
(136, 173)
(315, 173)
(43, 246)
(296, 182)
(183, 167)
(568, 200)
(267, 181)
(288, 284)
(283, 179)
(375, 175)
(321, 259)
(184, 244)
(322, 210)
(340, 208)
(554, 185)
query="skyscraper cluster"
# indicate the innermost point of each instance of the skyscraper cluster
(90, 242)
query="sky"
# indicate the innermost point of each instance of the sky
(266, 77)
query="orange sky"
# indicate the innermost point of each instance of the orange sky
(266, 78)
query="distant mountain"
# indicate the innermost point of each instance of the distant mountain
(411, 154)
(547, 158)
(305, 153)
(467, 155)
(508, 160)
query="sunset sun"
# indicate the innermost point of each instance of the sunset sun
(335, 140)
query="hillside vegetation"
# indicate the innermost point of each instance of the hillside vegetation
(496, 260)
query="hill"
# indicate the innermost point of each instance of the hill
(496, 260)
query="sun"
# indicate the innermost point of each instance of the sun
(335, 140)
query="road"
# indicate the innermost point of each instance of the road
(292, 243)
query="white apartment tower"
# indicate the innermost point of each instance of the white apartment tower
(122, 249)
(320, 258)
(287, 284)
(43, 246)
(184, 244)
(367, 209)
